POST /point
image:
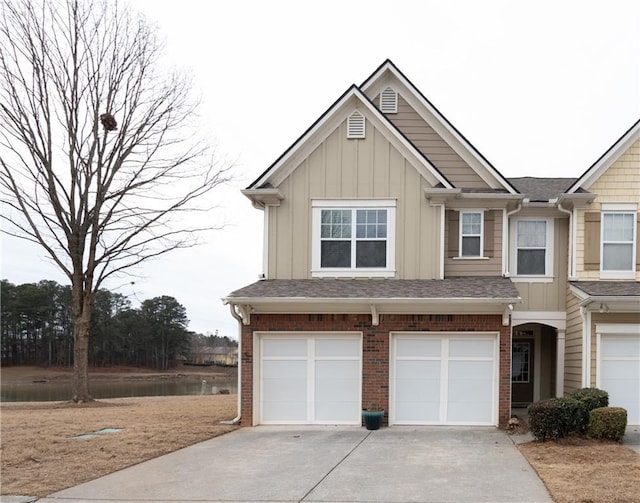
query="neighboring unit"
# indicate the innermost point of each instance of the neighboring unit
(403, 271)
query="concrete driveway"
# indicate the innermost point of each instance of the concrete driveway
(328, 464)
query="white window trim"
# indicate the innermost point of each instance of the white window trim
(460, 235)
(318, 205)
(620, 208)
(547, 277)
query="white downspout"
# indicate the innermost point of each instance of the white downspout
(236, 419)
(586, 350)
(570, 258)
(505, 240)
(442, 244)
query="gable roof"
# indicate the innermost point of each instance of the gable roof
(350, 100)
(605, 161)
(387, 71)
(541, 189)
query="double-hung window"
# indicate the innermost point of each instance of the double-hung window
(353, 238)
(471, 233)
(618, 237)
(533, 248)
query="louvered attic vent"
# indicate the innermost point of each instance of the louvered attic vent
(389, 101)
(355, 125)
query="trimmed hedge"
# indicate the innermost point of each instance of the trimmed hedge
(591, 398)
(607, 422)
(556, 418)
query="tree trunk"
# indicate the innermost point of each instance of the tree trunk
(82, 321)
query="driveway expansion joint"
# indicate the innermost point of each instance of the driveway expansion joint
(335, 466)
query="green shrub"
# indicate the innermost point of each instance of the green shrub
(591, 398)
(556, 418)
(607, 422)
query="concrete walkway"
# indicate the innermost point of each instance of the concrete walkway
(328, 464)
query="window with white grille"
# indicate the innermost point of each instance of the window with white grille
(389, 101)
(356, 125)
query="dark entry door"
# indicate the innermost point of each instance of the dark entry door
(522, 371)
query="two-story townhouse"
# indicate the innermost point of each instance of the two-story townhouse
(396, 260)
(603, 296)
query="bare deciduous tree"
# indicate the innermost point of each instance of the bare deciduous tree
(97, 151)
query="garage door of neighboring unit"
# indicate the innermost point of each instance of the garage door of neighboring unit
(310, 379)
(619, 369)
(445, 379)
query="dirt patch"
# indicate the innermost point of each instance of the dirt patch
(579, 470)
(40, 455)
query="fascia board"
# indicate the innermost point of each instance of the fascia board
(377, 81)
(595, 299)
(330, 121)
(580, 294)
(607, 159)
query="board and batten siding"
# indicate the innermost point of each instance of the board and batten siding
(340, 168)
(549, 296)
(619, 184)
(439, 153)
(573, 345)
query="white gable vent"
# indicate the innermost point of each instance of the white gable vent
(389, 101)
(355, 125)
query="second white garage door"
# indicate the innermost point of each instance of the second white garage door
(619, 369)
(444, 379)
(310, 379)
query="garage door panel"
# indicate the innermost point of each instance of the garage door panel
(284, 412)
(282, 390)
(416, 348)
(284, 348)
(471, 348)
(417, 412)
(418, 369)
(620, 369)
(624, 347)
(463, 413)
(418, 390)
(337, 348)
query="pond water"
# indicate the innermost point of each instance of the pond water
(60, 391)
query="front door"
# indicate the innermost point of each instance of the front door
(522, 371)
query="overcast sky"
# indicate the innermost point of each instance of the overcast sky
(539, 88)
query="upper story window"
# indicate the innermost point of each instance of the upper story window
(618, 238)
(471, 233)
(532, 253)
(353, 238)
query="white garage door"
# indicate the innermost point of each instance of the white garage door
(310, 379)
(620, 372)
(444, 379)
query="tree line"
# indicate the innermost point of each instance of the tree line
(37, 328)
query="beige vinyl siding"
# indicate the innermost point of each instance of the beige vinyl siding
(619, 184)
(492, 250)
(354, 169)
(549, 296)
(439, 153)
(606, 318)
(573, 345)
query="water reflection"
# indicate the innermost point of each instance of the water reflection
(56, 391)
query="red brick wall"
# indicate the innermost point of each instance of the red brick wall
(375, 347)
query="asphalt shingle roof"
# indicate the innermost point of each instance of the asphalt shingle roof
(541, 189)
(473, 287)
(609, 288)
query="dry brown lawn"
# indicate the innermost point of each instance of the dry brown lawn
(40, 455)
(578, 470)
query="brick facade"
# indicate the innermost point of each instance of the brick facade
(375, 347)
